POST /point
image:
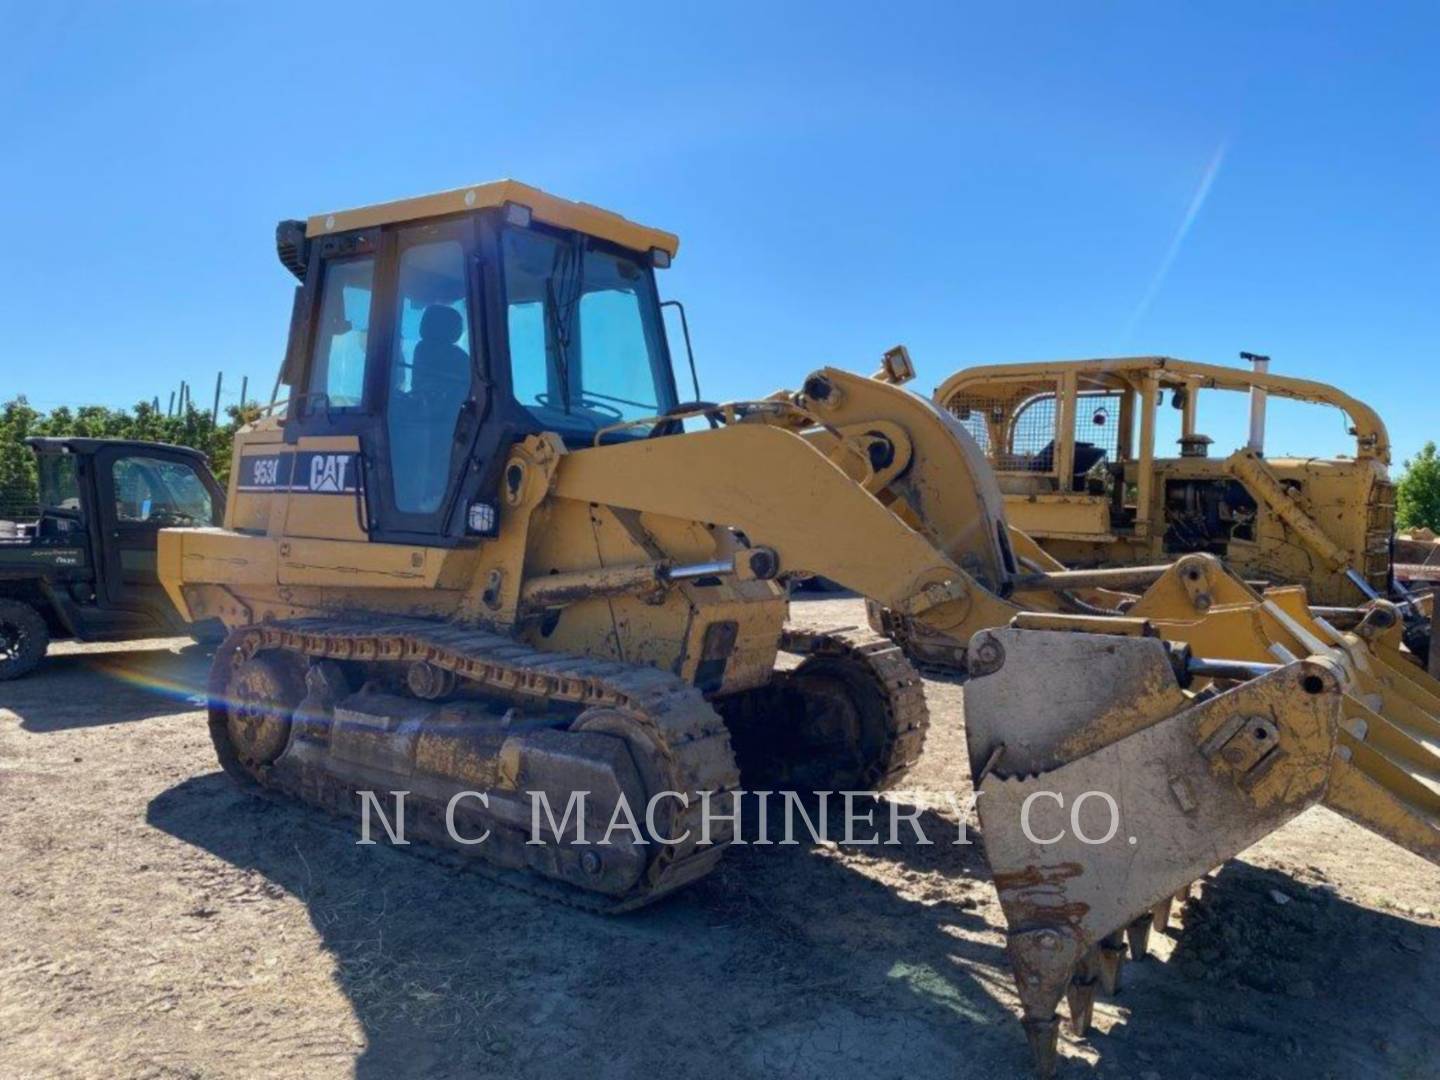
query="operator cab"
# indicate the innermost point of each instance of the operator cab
(435, 332)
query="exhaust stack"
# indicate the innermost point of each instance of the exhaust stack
(1257, 403)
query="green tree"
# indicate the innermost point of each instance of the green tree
(17, 465)
(1417, 496)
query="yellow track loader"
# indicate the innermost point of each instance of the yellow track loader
(479, 554)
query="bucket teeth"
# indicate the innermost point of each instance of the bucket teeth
(1138, 934)
(1044, 958)
(1219, 772)
(1080, 998)
(1044, 1037)
(1080, 994)
(1112, 960)
(1161, 913)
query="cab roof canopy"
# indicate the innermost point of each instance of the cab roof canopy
(581, 217)
(1014, 383)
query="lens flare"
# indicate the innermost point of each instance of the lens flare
(151, 677)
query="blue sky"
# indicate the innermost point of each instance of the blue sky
(983, 183)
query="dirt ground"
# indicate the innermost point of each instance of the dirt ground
(157, 922)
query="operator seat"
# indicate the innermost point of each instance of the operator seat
(440, 367)
(1087, 456)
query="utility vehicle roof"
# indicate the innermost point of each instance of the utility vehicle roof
(49, 444)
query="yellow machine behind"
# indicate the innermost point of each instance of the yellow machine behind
(478, 551)
(1074, 445)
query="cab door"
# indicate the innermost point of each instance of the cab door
(141, 490)
(431, 392)
(394, 392)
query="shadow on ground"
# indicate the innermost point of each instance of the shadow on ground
(783, 961)
(797, 961)
(1258, 968)
(138, 684)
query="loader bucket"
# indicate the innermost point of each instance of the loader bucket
(1115, 769)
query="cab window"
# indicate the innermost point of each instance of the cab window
(586, 338)
(618, 353)
(1097, 423)
(157, 492)
(337, 363)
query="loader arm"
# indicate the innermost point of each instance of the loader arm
(946, 488)
(783, 492)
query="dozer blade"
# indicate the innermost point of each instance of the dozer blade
(1106, 787)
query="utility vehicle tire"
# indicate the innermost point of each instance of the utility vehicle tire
(24, 637)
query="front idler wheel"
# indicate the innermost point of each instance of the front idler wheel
(250, 719)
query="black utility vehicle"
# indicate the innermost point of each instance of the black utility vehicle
(86, 567)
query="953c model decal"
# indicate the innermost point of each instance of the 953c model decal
(312, 472)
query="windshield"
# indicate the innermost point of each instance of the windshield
(587, 343)
(159, 492)
(59, 485)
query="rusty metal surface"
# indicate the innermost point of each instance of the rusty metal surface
(1074, 719)
(557, 590)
